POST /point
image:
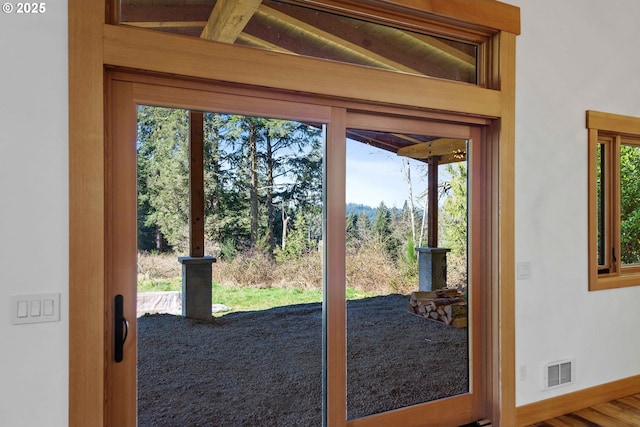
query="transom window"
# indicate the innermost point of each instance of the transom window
(614, 146)
(283, 27)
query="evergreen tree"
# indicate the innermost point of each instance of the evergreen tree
(454, 211)
(163, 135)
(352, 233)
(260, 174)
(629, 205)
(364, 227)
(382, 230)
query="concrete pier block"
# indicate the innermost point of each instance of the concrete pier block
(432, 268)
(196, 286)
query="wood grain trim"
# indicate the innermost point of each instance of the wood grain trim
(479, 267)
(198, 99)
(503, 396)
(486, 13)
(593, 209)
(86, 214)
(121, 251)
(613, 122)
(438, 14)
(187, 56)
(335, 316)
(619, 126)
(575, 401)
(218, 89)
(451, 410)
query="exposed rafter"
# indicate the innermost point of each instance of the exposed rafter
(228, 19)
(351, 49)
(167, 24)
(370, 140)
(249, 40)
(283, 27)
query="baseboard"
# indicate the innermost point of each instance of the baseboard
(575, 401)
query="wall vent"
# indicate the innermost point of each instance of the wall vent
(559, 373)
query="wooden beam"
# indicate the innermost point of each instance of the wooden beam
(228, 18)
(432, 203)
(307, 30)
(250, 40)
(163, 13)
(196, 184)
(437, 147)
(155, 25)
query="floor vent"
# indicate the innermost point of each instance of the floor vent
(559, 373)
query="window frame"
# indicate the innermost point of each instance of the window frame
(96, 48)
(607, 133)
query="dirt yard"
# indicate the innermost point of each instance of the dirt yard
(264, 368)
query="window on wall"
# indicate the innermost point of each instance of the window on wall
(614, 201)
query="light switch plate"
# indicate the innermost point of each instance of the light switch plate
(35, 308)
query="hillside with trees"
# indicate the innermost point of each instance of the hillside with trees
(263, 204)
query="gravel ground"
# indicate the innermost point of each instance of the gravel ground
(264, 368)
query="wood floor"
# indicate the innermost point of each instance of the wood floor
(623, 412)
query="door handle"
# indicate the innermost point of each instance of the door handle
(120, 328)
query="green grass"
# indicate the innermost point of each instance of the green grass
(159, 285)
(249, 299)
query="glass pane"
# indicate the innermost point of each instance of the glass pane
(407, 341)
(278, 26)
(258, 362)
(629, 206)
(601, 198)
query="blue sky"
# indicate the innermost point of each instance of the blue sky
(375, 175)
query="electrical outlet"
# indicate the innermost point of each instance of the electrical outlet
(523, 270)
(522, 373)
(35, 308)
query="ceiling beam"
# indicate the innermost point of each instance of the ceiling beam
(166, 24)
(445, 49)
(250, 40)
(370, 140)
(304, 29)
(228, 19)
(443, 147)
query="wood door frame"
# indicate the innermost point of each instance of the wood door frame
(127, 90)
(471, 406)
(94, 45)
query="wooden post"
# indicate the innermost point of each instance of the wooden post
(196, 184)
(432, 197)
(196, 268)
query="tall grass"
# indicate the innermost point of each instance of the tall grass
(369, 271)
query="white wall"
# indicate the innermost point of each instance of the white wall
(573, 55)
(34, 213)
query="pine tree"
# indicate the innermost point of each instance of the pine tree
(454, 211)
(629, 206)
(163, 135)
(382, 230)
